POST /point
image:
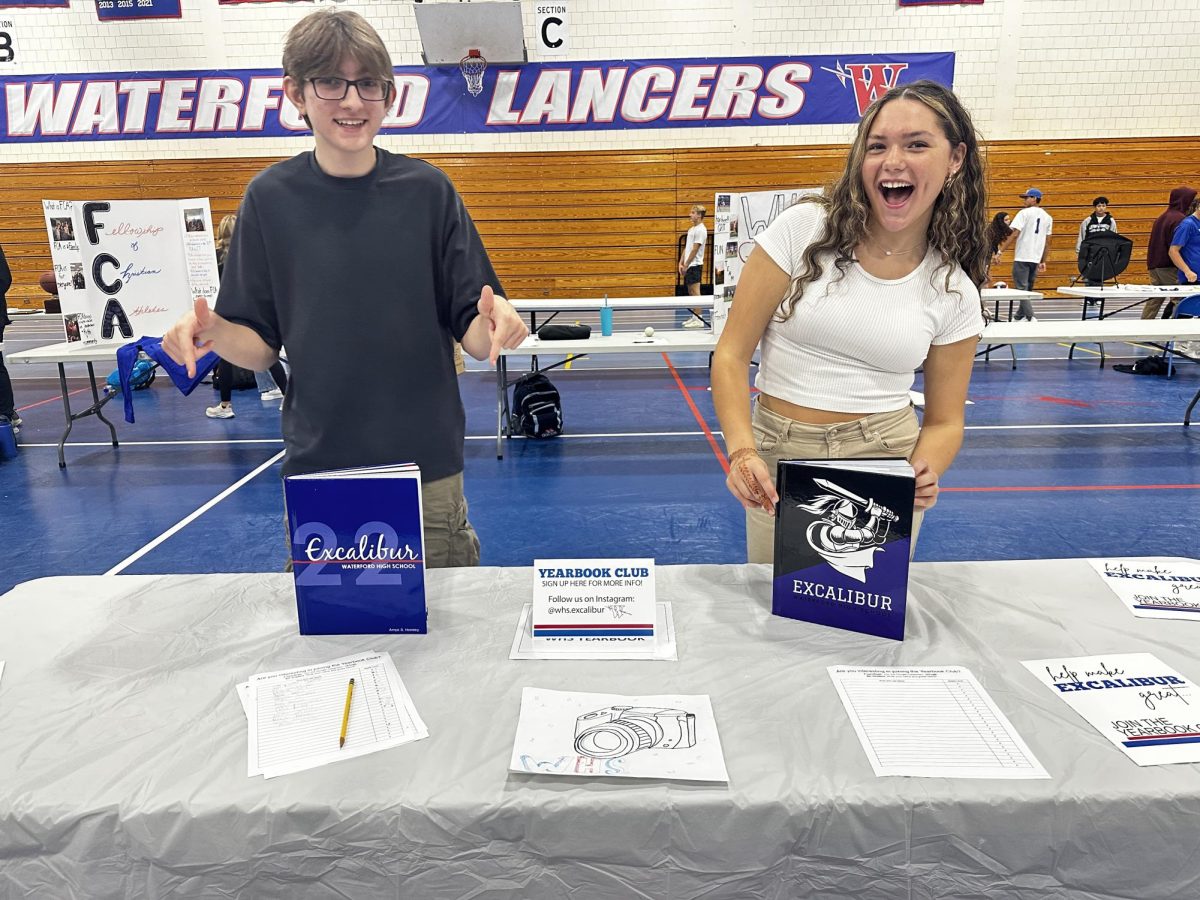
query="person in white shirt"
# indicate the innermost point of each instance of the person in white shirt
(1031, 228)
(691, 261)
(849, 293)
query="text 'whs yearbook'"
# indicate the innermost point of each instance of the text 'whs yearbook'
(358, 552)
(843, 535)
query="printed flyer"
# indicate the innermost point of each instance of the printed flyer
(1154, 587)
(1146, 708)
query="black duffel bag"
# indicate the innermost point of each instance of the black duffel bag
(564, 332)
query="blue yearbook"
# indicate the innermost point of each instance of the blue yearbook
(843, 533)
(358, 552)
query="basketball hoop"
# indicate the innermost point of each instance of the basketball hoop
(473, 66)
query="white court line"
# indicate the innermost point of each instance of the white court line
(184, 522)
(204, 443)
(596, 434)
(1095, 425)
(640, 434)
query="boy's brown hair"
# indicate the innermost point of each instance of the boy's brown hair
(318, 43)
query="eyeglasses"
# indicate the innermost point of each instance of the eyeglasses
(331, 88)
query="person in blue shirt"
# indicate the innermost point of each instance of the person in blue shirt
(1185, 247)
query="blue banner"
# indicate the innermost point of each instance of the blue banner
(577, 96)
(126, 10)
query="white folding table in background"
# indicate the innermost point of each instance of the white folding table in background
(61, 354)
(676, 341)
(585, 304)
(996, 296)
(1129, 295)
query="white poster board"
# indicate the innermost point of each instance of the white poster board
(739, 219)
(127, 268)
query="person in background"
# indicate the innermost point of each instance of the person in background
(849, 292)
(352, 257)
(1185, 246)
(1185, 253)
(691, 261)
(1100, 220)
(272, 384)
(1158, 250)
(1031, 228)
(8, 411)
(997, 234)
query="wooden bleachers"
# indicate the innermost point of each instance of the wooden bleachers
(585, 224)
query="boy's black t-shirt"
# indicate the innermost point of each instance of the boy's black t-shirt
(366, 282)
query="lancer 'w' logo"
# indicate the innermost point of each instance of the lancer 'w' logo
(870, 80)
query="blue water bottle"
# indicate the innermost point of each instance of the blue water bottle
(606, 318)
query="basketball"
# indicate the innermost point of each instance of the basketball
(48, 283)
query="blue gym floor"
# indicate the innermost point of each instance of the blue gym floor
(1062, 458)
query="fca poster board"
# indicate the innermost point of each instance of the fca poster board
(128, 268)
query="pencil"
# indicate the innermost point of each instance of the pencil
(346, 714)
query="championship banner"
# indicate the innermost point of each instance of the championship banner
(536, 97)
(34, 4)
(130, 10)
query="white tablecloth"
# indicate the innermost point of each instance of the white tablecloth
(123, 753)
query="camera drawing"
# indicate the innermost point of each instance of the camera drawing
(620, 730)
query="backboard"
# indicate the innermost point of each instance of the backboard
(449, 30)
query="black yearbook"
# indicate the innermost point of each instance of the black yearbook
(843, 535)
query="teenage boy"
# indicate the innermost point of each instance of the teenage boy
(1100, 220)
(368, 267)
(1031, 230)
(691, 261)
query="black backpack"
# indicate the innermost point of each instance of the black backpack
(536, 407)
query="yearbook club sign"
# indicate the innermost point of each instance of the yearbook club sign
(600, 600)
(598, 95)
